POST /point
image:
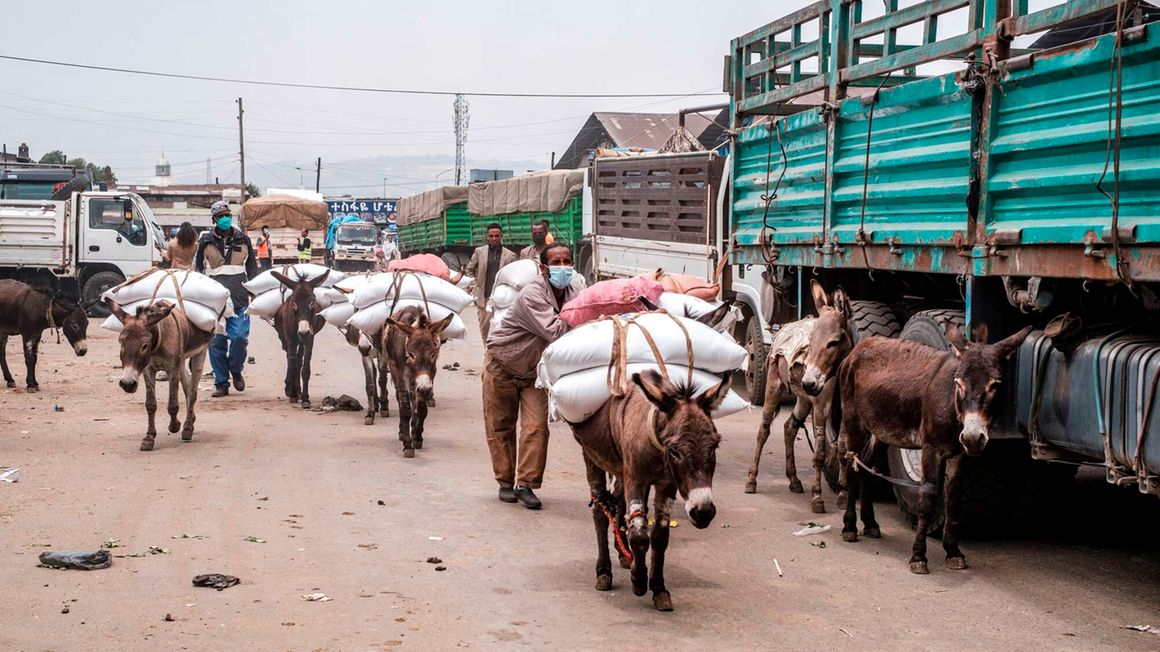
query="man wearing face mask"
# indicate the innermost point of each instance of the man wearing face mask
(539, 242)
(509, 379)
(226, 255)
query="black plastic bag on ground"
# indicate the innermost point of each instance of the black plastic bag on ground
(216, 581)
(77, 559)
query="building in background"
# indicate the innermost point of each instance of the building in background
(173, 204)
(476, 175)
(162, 173)
(643, 131)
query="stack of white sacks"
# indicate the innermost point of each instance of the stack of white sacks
(205, 301)
(512, 278)
(269, 293)
(381, 295)
(575, 368)
(340, 308)
(686, 305)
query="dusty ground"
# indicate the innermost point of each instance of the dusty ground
(343, 513)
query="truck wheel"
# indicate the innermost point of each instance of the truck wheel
(871, 318)
(95, 286)
(76, 184)
(754, 375)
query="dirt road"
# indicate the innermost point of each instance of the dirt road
(339, 511)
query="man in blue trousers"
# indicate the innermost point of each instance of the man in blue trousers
(226, 255)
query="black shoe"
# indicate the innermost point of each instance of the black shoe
(224, 390)
(507, 494)
(525, 496)
(239, 383)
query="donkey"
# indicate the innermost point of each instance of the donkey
(297, 320)
(28, 312)
(655, 436)
(804, 357)
(909, 395)
(409, 350)
(161, 337)
(374, 373)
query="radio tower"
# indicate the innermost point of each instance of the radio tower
(208, 178)
(461, 121)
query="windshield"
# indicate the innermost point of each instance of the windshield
(357, 234)
(142, 208)
(12, 189)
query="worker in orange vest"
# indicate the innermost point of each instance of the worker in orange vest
(265, 255)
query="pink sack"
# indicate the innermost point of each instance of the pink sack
(426, 263)
(613, 297)
(693, 286)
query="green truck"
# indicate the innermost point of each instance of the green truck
(1018, 184)
(452, 220)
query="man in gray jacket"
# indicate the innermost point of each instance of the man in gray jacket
(485, 262)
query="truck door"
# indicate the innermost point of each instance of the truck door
(113, 232)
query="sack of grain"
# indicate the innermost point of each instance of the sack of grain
(577, 396)
(371, 318)
(612, 297)
(591, 346)
(426, 263)
(687, 305)
(268, 302)
(200, 316)
(518, 274)
(685, 284)
(305, 271)
(204, 300)
(502, 296)
(409, 285)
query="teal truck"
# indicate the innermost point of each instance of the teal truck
(1006, 173)
(452, 220)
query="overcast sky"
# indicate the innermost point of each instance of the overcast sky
(597, 46)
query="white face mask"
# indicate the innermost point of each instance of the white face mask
(560, 276)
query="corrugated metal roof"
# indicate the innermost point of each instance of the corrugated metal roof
(645, 130)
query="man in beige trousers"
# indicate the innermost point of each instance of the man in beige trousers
(510, 394)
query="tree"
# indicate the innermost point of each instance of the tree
(252, 190)
(97, 172)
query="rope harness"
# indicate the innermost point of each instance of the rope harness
(892, 480)
(607, 504)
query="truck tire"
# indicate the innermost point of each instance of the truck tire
(95, 286)
(870, 318)
(754, 375)
(76, 184)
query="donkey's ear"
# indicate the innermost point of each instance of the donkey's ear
(438, 327)
(819, 294)
(314, 283)
(157, 312)
(284, 280)
(117, 310)
(958, 344)
(1010, 344)
(342, 289)
(403, 326)
(841, 301)
(710, 399)
(657, 390)
(713, 318)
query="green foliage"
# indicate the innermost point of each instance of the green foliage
(252, 190)
(97, 172)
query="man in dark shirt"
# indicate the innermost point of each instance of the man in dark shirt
(226, 255)
(485, 262)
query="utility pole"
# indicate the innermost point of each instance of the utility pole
(207, 171)
(553, 166)
(462, 119)
(384, 187)
(242, 149)
(318, 176)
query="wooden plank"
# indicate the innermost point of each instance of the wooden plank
(1045, 19)
(783, 94)
(803, 15)
(905, 16)
(933, 52)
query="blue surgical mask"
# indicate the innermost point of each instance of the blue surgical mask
(560, 276)
(224, 222)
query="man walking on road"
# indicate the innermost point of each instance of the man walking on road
(539, 242)
(226, 255)
(265, 251)
(485, 262)
(509, 379)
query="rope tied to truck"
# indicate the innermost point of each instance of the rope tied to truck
(1122, 267)
(860, 238)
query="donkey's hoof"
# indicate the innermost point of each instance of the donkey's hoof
(817, 505)
(872, 533)
(369, 420)
(603, 582)
(795, 487)
(174, 426)
(849, 537)
(417, 443)
(384, 412)
(663, 601)
(842, 502)
(431, 402)
(408, 452)
(957, 563)
(751, 487)
(639, 588)
(187, 435)
(11, 383)
(32, 389)
(919, 568)
(624, 562)
(146, 444)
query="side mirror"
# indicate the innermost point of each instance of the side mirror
(127, 209)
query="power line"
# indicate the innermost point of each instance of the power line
(329, 87)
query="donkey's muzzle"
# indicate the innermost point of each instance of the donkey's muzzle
(129, 386)
(700, 507)
(80, 347)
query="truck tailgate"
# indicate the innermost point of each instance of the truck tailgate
(34, 233)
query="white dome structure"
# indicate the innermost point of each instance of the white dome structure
(162, 172)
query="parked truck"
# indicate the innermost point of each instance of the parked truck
(452, 220)
(80, 245)
(350, 244)
(1023, 188)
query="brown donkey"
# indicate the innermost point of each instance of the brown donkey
(160, 337)
(297, 320)
(374, 374)
(660, 437)
(909, 395)
(410, 352)
(28, 312)
(804, 358)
